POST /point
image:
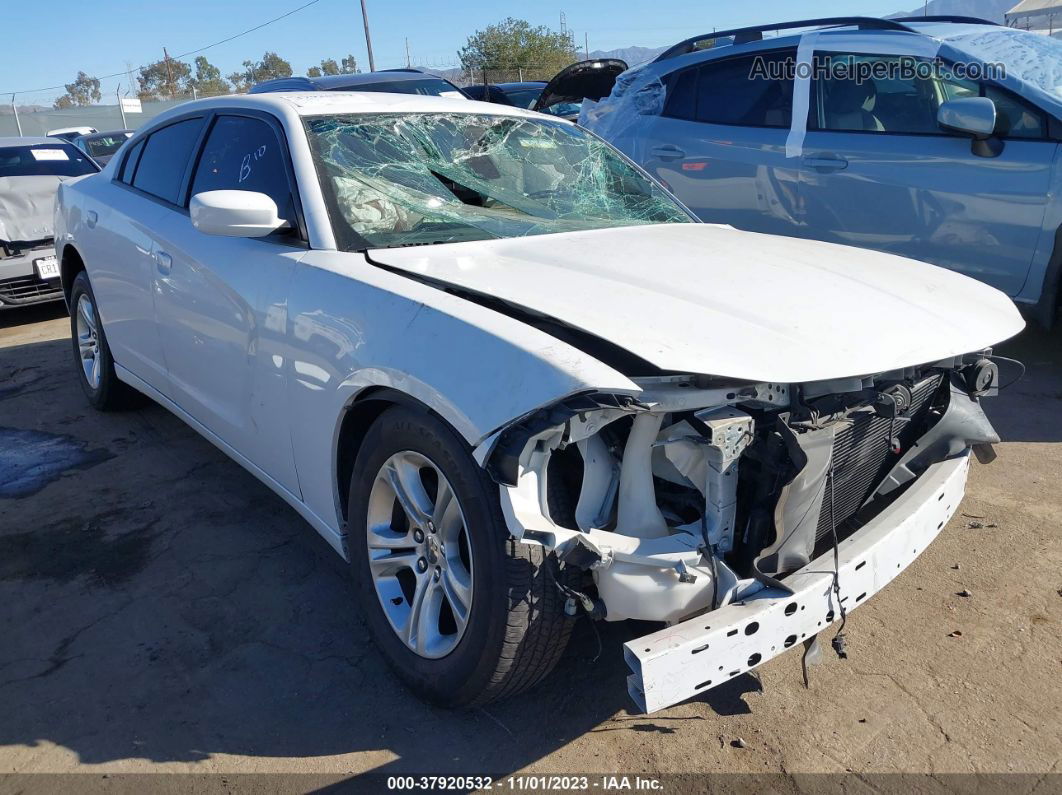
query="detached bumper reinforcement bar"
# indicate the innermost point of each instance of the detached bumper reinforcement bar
(680, 661)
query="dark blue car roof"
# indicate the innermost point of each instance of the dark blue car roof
(338, 82)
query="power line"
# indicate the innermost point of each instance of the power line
(183, 54)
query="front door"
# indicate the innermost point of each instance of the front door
(878, 171)
(221, 302)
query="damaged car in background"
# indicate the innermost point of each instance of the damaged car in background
(513, 381)
(30, 170)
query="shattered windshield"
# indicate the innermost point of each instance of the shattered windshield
(421, 178)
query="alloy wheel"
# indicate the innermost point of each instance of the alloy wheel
(88, 342)
(420, 558)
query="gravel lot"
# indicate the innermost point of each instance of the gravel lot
(161, 611)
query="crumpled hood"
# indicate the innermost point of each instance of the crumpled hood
(26, 205)
(698, 298)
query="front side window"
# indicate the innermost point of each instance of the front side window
(60, 160)
(1015, 118)
(873, 93)
(243, 153)
(165, 158)
(415, 179)
(750, 91)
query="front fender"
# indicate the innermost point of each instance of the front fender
(353, 326)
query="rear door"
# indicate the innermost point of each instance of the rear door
(878, 171)
(120, 261)
(719, 143)
(221, 302)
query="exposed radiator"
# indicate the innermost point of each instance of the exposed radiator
(862, 456)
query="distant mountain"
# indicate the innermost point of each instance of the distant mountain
(632, 55)
(992, 10)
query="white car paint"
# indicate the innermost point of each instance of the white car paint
(790, 310)
(264, 346)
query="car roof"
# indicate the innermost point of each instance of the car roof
(293, 105)
(524, 84)
(105, 133)
(339, 82)
(941, 28)
(31, 141)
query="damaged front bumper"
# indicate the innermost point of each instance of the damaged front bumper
(691, 657)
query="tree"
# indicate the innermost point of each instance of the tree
(242, 81)
(349, 65)
(164, 79)
(271, 66)
(83, 91)
(513, 44)
(329, 66)
(208, 81)
(313, 71)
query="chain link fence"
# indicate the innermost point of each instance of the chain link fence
(37, 120)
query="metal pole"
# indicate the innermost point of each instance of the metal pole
(368, 39)
(14, 110)
(408, 64)
(118, 93)
(169, 75)
(586, 45)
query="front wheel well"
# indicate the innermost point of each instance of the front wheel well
(70, 266)
(358, 417)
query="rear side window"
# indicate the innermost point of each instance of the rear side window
(60, 160)
(129, 165)
(682, 95)
(165, 158)
(243, 153)
(750, 91)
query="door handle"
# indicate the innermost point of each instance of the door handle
(163, 261)
(91, 218)
(667, 152)
(824, 163)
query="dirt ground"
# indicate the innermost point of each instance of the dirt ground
(162, 611)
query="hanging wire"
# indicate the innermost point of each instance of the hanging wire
(124, 72)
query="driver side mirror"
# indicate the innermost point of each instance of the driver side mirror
(975, 117)
(235, 213)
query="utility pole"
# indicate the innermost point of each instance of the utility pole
(408, 64)
(118, 93)
(368, 39)
(14, 110)
(586, 44)
(169, 75)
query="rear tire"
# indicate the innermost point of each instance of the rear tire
(92, 355)
(515, 628)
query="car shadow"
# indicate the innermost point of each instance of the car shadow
(158, 603)
(1028, 407)
(11, 317)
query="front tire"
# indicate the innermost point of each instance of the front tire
(92, 355)
(464, 613)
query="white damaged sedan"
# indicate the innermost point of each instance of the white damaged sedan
(511, 380)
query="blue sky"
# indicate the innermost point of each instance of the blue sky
(47, 44)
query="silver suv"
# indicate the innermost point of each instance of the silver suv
(931, 137)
